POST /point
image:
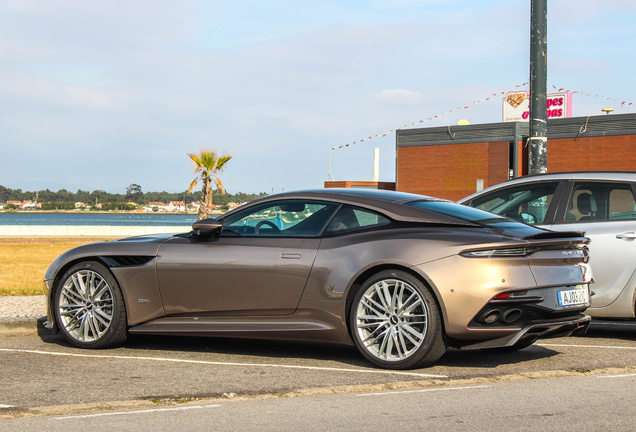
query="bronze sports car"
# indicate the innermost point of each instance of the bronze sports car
(399, 275)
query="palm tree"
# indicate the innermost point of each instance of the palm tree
(207, 166)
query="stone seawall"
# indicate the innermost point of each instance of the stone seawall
(78, 231)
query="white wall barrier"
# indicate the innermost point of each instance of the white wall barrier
(89, 231)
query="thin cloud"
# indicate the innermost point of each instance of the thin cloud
(399, 97)
(277, 84)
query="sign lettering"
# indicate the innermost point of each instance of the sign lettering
(516, 106)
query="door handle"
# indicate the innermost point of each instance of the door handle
(626, 236)
(290, 256)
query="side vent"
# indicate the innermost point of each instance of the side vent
(126, 260)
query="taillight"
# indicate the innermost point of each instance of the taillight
(499, 253)
(510, 294)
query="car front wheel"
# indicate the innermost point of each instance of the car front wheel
(89, 307)
(395, 322)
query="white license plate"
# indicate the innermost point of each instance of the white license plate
(573, 297)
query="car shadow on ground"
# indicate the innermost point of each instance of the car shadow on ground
(487, 359)
(612, 329)
(256, 350)
(251, 348)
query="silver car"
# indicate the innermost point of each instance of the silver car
(601, 204)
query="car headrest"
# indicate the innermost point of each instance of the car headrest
(586, 204)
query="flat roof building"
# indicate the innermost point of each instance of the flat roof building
(455, 161)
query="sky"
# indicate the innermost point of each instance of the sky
(99, 95)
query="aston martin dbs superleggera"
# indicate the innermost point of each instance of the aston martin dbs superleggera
(399, 275)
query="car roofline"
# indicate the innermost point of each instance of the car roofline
(387, 204)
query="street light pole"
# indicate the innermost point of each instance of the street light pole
(538, 140)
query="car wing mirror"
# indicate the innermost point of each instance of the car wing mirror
(527, 218)
(208, 227)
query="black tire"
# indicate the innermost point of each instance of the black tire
(400, 347)
(89, 307)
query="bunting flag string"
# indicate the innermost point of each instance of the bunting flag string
(563, 89)
(430, 118)
(558, 89)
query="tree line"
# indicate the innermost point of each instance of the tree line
(64, 198)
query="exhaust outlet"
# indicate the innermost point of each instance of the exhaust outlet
(489, 316)
(511, 315)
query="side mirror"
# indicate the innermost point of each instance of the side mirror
(208, 227)
(527, 218)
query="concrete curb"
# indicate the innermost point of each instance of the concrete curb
(23, 326)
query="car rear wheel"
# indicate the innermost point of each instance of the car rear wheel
(395, 322)
(89, 307)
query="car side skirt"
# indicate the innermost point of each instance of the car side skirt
(309, 323)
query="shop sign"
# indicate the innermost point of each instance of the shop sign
(516, 106)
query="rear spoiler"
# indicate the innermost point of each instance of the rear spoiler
(555, 235)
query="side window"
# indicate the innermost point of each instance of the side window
(295, 218)
(601, 201)
(622, 204)
(350, 218)
(528, 203)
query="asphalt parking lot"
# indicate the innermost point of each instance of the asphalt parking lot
(39, 371)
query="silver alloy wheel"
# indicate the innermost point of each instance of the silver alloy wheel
(391, 320)
(86, 305)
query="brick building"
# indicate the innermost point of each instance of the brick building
(455, 161)
(360, 184)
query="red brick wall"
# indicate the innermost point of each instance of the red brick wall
(522, 155)
(450, 171)
(610, 153)
(352, 184)
(498, 164)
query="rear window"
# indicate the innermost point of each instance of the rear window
(480, 217)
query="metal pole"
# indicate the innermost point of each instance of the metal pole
(538, 140)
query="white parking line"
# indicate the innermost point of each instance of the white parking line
(617, 376)
(586, 346)
(264, 365)
(146, 411)
(422, 390)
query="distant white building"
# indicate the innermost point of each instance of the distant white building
(194, 206)
(175, 206)
(233, 205)
(24, 205)
(155, 206)
(29, 205)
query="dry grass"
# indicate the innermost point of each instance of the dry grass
(24, 261)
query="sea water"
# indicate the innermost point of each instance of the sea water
(106, 219)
